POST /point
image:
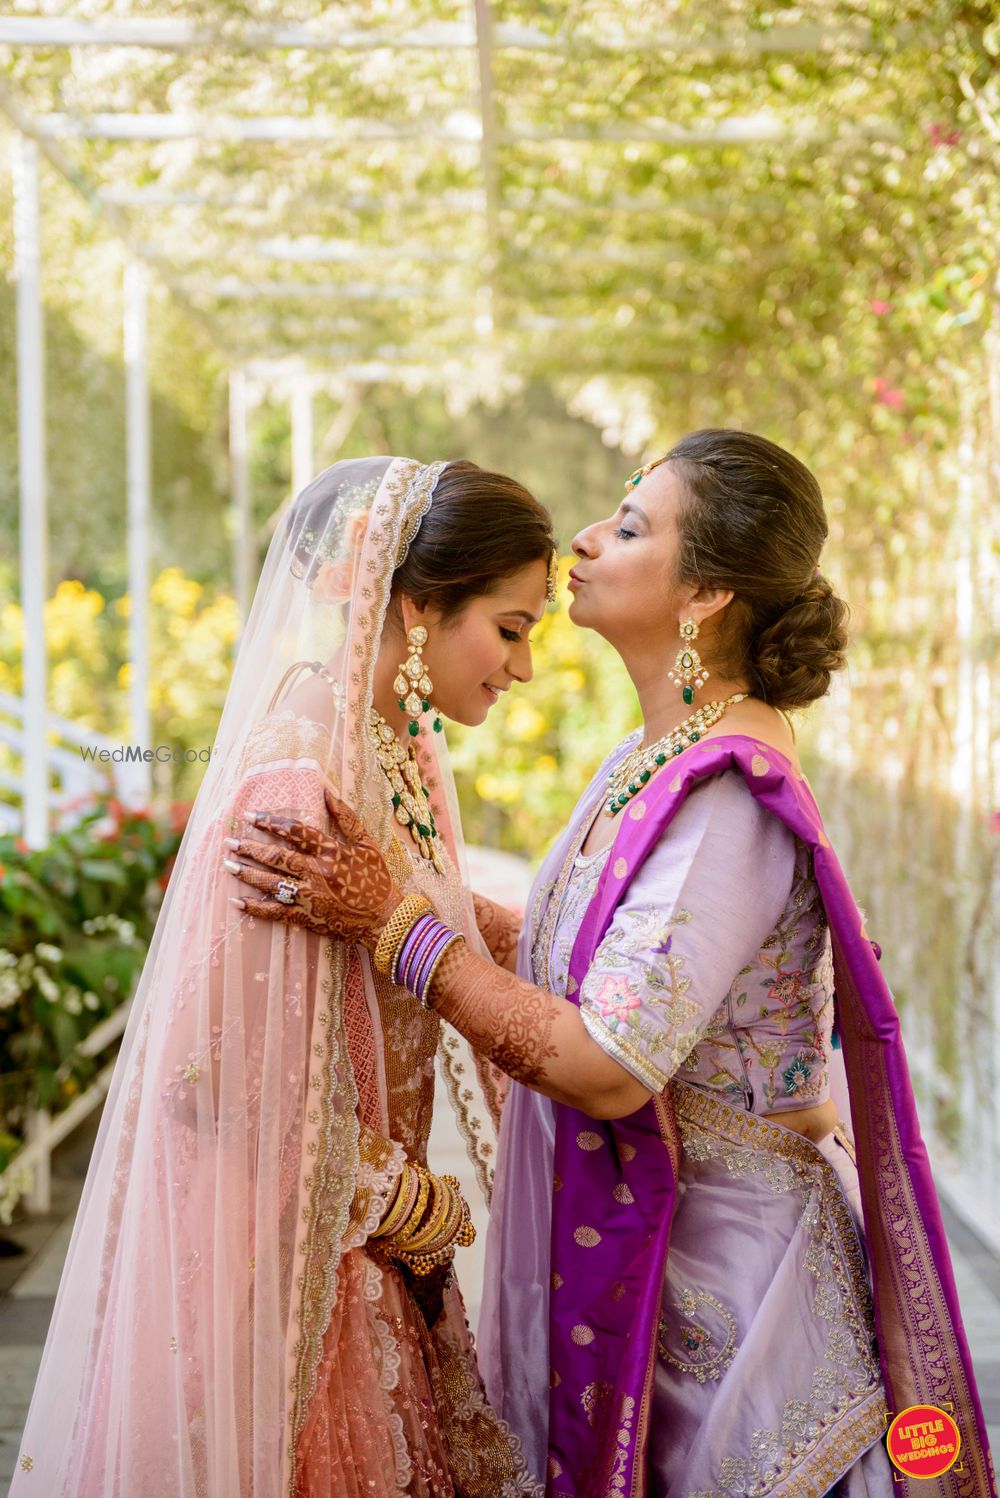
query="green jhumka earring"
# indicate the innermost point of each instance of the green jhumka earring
(688, 671)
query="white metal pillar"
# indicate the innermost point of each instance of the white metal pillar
(303, 442)
(239, 488)
(31, 468)
(137, 443)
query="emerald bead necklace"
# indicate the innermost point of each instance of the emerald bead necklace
(410, 801)
(638, 768)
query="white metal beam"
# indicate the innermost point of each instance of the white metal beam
(718, 204)
(239, 488)
(231, 288)
(116, 220)
(32, 483)
(362, 372)
(137, 440)
(462, 200)
(302, 434)
(459, 128)
(177, 35)
(314, 250)
(488, 132)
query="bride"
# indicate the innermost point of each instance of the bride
(257, 1298)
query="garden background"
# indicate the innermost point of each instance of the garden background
(552, 242)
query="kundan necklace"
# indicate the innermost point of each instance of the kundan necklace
(638, 768)
(410, 801)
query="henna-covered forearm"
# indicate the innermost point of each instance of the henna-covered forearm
(343, 887)
(532, 1035)
(500, 929)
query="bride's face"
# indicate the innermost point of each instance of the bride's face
(484, 649)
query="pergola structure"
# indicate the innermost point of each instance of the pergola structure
(402, 190)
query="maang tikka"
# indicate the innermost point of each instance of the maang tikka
(413, 686)
(688, 671)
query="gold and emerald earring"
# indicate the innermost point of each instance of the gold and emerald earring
(688, 671)
(413, 687)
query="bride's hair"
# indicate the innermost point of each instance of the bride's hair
(752, 520)
(480, 529)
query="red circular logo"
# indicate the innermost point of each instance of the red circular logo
(923, 1441)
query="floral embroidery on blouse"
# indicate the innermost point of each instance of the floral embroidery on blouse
(668, 1032)
(784, 1039)
(648, 997)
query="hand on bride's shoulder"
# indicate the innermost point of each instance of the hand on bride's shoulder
(335, 882)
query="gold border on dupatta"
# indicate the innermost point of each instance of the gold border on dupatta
(333, 1096)
(916, 1336)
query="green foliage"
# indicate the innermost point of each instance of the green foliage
(76, 918)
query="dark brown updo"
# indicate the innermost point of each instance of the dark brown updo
(481, 528)
(752, 520)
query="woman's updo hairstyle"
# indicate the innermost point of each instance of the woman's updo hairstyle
(752, 520)
(481, 528)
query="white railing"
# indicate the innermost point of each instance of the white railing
(70, 774)
(71, 777)
(43, 1131)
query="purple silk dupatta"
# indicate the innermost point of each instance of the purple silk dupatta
(614, 1188)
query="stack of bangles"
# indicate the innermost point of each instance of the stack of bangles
(412, 944)
(427, 1218)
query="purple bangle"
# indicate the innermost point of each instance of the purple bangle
(451, 940)
(416, 938)
(420, 952)
(443, 936)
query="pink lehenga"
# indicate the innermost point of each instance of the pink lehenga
(221, 1330)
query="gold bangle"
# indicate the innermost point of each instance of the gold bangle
(397, 928)
(436, 1206)
(437, 1216)
(453, 1218)
(411, 1226)
(422, 1264)
(402, 1203)
(437, 963)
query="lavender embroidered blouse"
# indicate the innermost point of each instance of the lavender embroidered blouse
(717, 967)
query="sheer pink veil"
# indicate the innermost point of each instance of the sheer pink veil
(202, 1270)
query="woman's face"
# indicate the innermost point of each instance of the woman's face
(481, 651)
(624, 579)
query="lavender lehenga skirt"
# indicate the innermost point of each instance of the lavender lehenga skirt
(767, 1379)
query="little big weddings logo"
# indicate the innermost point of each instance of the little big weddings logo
(923, 1441)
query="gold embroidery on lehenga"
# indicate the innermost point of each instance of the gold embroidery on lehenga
(485, 1458)
(845, 1411)
(410, 1041)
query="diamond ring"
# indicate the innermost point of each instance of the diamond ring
(286, 892)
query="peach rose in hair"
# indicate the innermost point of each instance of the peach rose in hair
(334, 582)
